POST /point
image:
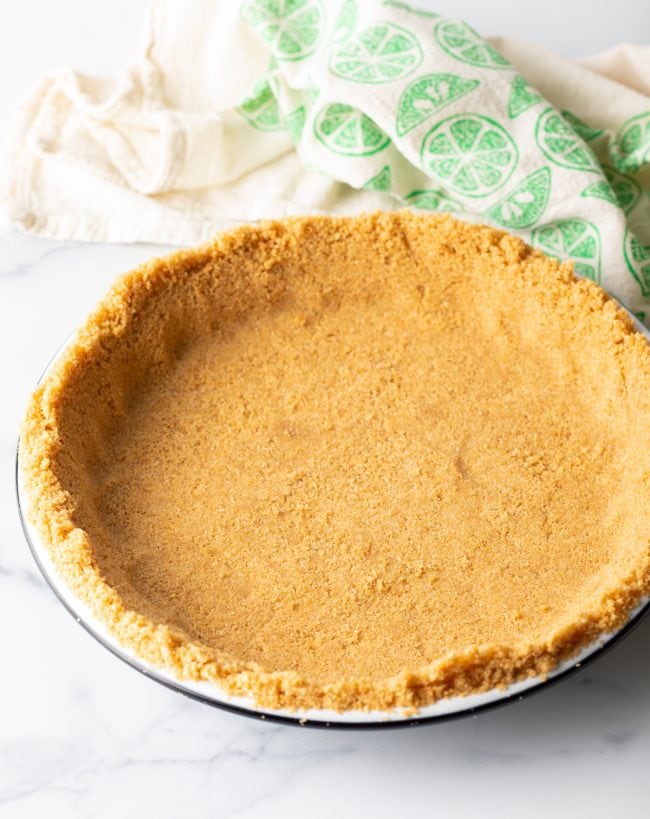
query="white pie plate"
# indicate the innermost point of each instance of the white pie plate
(212, 694)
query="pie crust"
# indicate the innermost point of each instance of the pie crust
(349, 463)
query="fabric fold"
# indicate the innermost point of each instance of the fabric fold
(242, 111)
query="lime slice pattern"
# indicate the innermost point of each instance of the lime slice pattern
(346, 130)
(522, 97)
(346, 22)
(261, 108)
(381, 53)
(381, 182)
(295, 122)
(561, 144)
(573, 240)
(291, 27)
(397, 4)
(523, 207)
(427, 95)
(601, 190)
(630, 148)
(581, 128)
(619, 189)
(433, 200)
(637, 258)
(627, 191)
(462, 43)
(469, 154)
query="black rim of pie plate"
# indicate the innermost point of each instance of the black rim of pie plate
(333, 723)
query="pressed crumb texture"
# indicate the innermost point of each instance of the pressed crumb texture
(349, 462)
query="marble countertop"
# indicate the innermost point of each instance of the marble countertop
(82, 735)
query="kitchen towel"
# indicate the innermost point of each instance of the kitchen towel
(267, 108)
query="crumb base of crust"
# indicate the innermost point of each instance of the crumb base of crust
(349, 463)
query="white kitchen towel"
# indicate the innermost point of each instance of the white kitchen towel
(266, 108)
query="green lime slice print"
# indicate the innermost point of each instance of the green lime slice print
(346, 22)
(561, 144)
(636, 249)
(381, 182)
(523, 207)
(291, 27)
(581, 128)
(346, 130)
(261, 108)
(522, 97)
(627, 191)
(433, 200)
(295, 122)
(630, 148)
(601, 190)
(381, 53)
(397, 4)
(619, 189)
(462, 43)
(573, 240)
(427, 95)
(469, 154)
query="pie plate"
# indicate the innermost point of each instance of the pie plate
(210, 693)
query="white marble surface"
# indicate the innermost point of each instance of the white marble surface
(82, 735)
